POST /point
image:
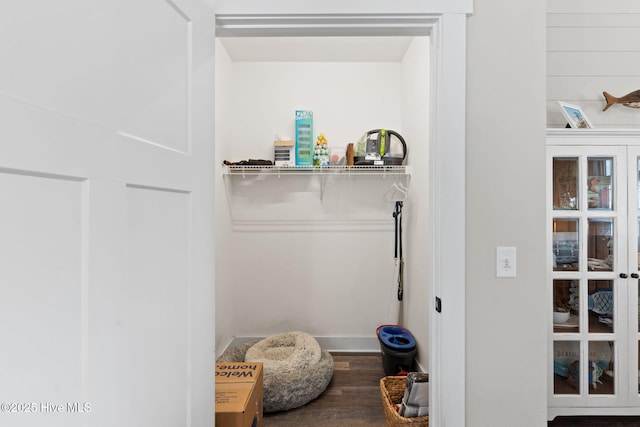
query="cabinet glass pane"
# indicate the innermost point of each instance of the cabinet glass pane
(566, 367)
(566, 305)
(565, 183)
(638, 244)
(637, 189)
(600, 300)
(601, 367)
(600, 244)
(565, 244)
(600, 183)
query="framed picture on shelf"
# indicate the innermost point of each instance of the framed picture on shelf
(575, 116)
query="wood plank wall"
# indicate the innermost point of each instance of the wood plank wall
(593, 46)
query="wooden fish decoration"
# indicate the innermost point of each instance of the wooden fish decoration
(629, 100)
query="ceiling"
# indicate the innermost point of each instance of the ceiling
(317, 49)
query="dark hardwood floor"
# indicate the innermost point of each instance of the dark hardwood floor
(351, 399)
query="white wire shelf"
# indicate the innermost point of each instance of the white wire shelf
(311, 170)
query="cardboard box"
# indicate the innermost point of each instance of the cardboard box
(284, 153)
(239, 392)
(304, 138)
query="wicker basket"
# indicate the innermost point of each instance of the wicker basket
(392, 391)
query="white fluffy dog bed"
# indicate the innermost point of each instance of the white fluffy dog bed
(296, 369)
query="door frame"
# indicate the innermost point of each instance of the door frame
(447, 216)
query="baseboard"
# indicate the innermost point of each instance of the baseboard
(336, 344)
(333, 344)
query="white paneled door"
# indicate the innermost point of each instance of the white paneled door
(106, 213)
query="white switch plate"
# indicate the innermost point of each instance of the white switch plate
(505, 261)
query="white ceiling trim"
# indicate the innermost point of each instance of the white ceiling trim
(320, 38)
(323, 25)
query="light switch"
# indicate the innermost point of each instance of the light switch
(505, 261)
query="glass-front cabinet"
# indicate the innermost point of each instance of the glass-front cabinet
(594, 248)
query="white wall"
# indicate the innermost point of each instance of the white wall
(335, 276)
(506, 320)
(415, 124)
(347, 99)
(590, 49)
(223, 261)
